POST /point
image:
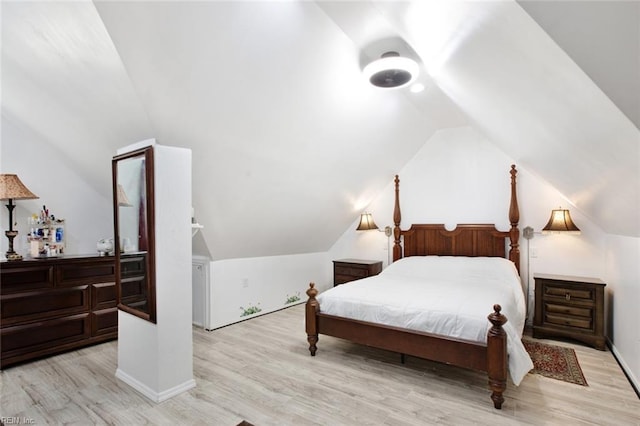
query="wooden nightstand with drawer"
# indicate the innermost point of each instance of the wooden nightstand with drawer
(345, 270)
(570, 307)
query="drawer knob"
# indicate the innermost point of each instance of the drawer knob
(567, 296)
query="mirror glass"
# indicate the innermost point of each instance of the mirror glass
(134, 238)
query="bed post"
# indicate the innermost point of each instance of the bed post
(311, 318)
(514, 218)
(397, 248)
(497, 356)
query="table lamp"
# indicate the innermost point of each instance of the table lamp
(11, 188)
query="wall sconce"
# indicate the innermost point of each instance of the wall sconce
(560, 221)
(11, 188)
(367, 224)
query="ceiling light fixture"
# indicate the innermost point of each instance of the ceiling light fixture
(391, 71)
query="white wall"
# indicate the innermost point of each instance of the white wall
(623, 290)
(264, 282)
(52, 177)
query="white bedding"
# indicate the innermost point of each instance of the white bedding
(444, 295)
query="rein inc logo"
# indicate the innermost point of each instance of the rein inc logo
(15, 420)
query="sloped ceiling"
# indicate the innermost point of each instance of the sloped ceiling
(603, 38)
(289, 143)
(62, 79)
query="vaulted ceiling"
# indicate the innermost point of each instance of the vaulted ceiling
(289, 142)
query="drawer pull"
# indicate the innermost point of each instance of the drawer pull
(567, 296)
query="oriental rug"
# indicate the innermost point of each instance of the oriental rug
(556, 362)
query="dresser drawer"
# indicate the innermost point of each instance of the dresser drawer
(346, 270)
(85, 273)
(351, 272)
(16, 280)
(42, 335)
(104, 321)
(34, 305)
(569, 293)
(564, 320)
(568, 310)
(341, 279)
(103, 295)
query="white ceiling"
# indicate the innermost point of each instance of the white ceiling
(603, 38)
(289, 143)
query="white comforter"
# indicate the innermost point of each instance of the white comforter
(444, 295)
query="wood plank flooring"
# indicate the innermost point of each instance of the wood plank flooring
(260, 371)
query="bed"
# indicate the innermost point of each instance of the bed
(476, 254)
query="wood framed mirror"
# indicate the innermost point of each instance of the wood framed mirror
(134, 239)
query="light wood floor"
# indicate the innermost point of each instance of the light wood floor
(260, 371)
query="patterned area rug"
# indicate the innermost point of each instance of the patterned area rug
(555, 361)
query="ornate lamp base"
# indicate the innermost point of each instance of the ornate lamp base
(13, 256)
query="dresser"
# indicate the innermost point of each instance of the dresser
(345, 270)
(570, 307)
(53, 305)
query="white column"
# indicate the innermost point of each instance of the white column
(157, 359)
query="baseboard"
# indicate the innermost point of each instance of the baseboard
(150, 393)
(625, 368)
(258, 315)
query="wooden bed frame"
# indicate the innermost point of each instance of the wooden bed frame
(420, 240)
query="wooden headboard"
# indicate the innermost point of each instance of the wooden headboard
(464, 240)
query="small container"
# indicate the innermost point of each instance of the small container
(35, 248)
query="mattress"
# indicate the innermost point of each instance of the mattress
(444, 295)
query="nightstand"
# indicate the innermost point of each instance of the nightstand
(570, 307)
(345, 270)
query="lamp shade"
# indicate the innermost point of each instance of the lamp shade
(560, 221)
(391, 71)
(12, 188)
(123, 200)
(366, 222)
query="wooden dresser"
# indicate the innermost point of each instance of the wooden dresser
(53, 305)
(345, 270)
(571, 307)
